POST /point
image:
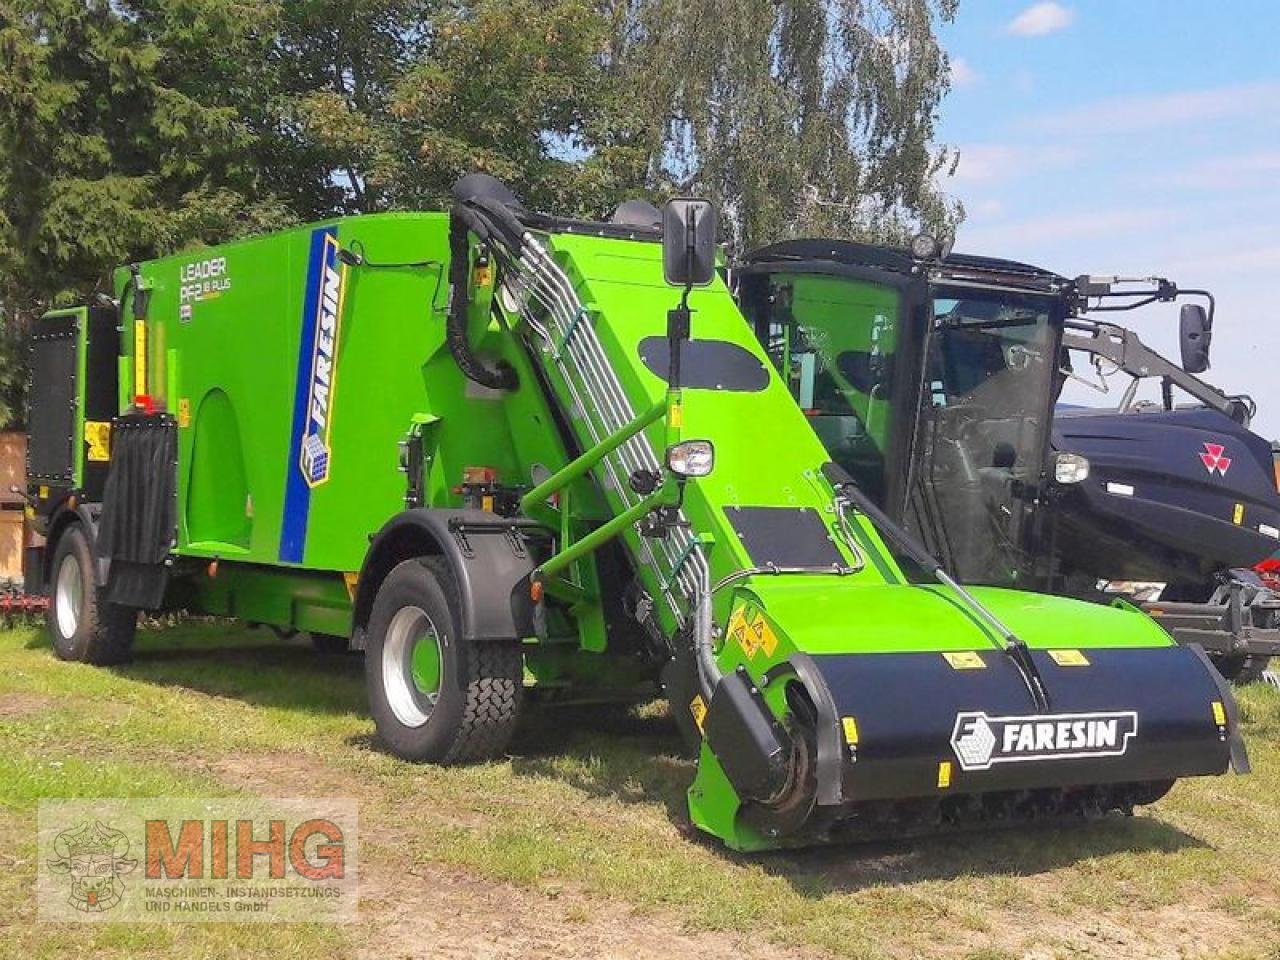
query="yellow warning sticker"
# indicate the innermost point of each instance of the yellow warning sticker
(698, 707)
(850, 730)
(1069, 658)
(944, 774)
(676, 415)
(748, 626)
(1219, 713)
(965, 660)
(97, 438)
(139, 357)
(1237, 515)
(184, 411)
(44, 493)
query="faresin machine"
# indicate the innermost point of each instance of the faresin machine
(505, 452)
(934, 380)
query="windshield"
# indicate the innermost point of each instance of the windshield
(984, 420)
(836, 343)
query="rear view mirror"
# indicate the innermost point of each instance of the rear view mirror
(689, 242)
(1195, 334)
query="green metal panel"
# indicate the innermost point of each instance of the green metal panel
(236, 348)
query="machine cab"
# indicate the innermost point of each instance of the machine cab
(933, 387)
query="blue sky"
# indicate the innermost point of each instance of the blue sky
(1130, 137)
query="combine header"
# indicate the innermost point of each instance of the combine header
(489, 448)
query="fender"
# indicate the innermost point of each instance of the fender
(87, 515)
(488, 559)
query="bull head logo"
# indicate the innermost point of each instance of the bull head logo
(95, 857)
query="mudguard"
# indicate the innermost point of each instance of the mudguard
(485, 554)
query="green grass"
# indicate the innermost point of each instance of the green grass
(589, 811)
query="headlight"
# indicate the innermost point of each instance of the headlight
(1070, 468)
(692, 458)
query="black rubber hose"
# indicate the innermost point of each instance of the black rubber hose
(501, 376)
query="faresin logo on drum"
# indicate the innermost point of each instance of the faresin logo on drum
(314, 453)
(980, 742)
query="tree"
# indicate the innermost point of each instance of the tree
(798, 116)
(135, 128)
(125, 132)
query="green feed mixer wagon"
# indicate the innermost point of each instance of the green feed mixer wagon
(503, 452)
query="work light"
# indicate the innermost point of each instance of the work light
(691, 458)
(1070, 468)
(925, 246)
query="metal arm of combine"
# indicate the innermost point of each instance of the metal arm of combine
(1123, 348)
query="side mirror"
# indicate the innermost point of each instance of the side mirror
(1195, 335)
(689, 242)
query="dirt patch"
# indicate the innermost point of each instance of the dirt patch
(285, 774)
(428, 912)
(416, 910)
(24, 704)
(1167, 933)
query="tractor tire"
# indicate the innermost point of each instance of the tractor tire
(435, 696)
(330, 644)
(1243, 668)
(83, 624)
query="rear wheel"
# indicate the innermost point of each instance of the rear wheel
(434, 695)
(83, 624)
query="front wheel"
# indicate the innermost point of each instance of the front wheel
(434, 695)
(84, 625)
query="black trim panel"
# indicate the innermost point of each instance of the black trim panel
(707, 364)
(786, 537)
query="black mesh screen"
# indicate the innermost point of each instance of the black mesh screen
(50, 450)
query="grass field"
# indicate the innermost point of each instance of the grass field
(577, 844)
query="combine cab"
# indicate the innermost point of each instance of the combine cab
(499, 450)
(934, 381)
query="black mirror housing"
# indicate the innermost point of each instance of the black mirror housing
(689, 242)
(1195, 335)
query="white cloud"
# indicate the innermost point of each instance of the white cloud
(1226, 173)
(1130, 114)
(1031, 238)
(998, 162)
(962, 73)
(986, 209)
(1041, 19)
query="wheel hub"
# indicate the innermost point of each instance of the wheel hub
(411, 666)
(68, 596)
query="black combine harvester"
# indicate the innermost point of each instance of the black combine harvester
(936, 382)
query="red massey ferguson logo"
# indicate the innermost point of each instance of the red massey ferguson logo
(1215, 459)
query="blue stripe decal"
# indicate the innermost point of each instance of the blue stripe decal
(297, 493)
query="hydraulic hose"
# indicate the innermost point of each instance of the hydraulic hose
(499, 377)
(709, 672)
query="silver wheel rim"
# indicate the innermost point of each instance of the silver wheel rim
(408, 627)
(68, 596)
